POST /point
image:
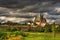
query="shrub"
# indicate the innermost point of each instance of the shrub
(11, 29)
(3, 36)
(16, 33)
(40, 29)
(6, 35)
(48, 28)
(57, 29)
(22, 33)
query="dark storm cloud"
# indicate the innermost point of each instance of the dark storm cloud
(28, 8)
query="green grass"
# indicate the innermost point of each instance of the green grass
(34, 35)
(42, 36)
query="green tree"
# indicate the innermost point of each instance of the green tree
(48, 28)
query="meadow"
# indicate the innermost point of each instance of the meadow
(20, 35)
(46, 33)
(42, 36)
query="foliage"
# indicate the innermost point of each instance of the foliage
(57, 29)
(3, 36)
(48, 28)
(11, 29)
(40, 29)
(19, 33)
(8, 34)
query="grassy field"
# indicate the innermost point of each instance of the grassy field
(30, 36)
(42, 36)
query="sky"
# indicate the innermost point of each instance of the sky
(30, 8)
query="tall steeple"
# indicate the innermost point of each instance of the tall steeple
(41, 16)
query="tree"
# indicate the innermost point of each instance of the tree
(48, 28)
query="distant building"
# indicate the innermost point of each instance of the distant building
(40, 21)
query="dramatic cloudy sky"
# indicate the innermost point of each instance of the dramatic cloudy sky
(28, 8)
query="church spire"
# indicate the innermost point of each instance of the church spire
(41, 16)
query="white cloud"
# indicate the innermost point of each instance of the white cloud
(14, 19)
